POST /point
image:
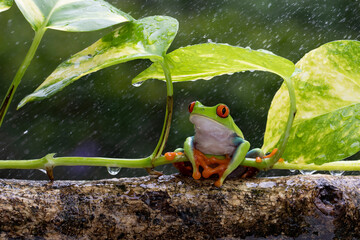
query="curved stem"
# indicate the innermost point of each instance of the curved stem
(168, 114)
(292, 111)
(20, 73)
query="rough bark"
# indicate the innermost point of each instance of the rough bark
(178, 207)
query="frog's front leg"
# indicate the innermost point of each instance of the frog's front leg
(189, 152)
(236, 160)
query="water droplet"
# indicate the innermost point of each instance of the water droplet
(307, 172)
(76, 64)
(113, 170)
(42, 170)
(346, 115)
(340, 144)
(26, 132)
(299, 134)
(176, 59)
(151, 42)
(355, 145)
(159, 18)
(138, 84)
(265, 51)
(296, 72)
(337, 173)
(292, 170)
(321, 157)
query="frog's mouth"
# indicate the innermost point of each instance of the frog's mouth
(212, 137)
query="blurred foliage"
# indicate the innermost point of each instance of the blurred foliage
(105, 115)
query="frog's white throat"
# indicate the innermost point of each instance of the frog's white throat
(212, 137)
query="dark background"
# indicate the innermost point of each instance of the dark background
(102, 114)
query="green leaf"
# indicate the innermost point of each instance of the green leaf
(5, 4)
(326, 126)
(205, 61)
(147, 38)
(71, 15)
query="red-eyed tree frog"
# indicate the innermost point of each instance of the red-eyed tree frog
(218, 146)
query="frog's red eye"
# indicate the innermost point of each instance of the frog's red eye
(191, 107)
(222, 111)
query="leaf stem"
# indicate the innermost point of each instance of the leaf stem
(20, 73)
(50, 161)
(168, 114)
(285, 137)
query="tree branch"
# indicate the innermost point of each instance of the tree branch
(168, 207)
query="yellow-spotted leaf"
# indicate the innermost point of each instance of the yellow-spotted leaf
(326, 127)
(147, 38)
(205, 61)
(71, 15)
(5, 4)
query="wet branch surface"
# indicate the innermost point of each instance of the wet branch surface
(178, 207)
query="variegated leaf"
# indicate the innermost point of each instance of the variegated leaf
(326, 126)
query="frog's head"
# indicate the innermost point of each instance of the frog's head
(212, 118)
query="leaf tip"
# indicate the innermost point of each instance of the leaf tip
(24, 101)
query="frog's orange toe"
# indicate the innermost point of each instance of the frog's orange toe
(170, 156)
(258, 160)
(196, 175)
(271, 154)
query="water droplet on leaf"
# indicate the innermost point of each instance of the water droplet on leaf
(299, 134)
(337, 173)
(355, 145)
(137, 84)
(113, 170)
(346, 115)
(159, 18)
(307, 172)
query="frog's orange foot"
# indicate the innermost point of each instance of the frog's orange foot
(171, 155)
(271, 154)
(210, 166)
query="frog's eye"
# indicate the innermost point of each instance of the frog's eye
(222, 111)
(191, 107)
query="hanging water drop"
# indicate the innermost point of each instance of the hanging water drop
(137, 84)
(307, 172)
(292, 170)
(337, 173)
(113, 170)
(43, 170)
